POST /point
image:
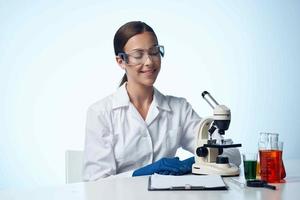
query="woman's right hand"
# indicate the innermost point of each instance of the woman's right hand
(166, 166)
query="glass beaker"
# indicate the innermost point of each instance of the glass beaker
(250, 163)
(270, 157)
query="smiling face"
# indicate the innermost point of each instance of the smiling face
(144, 73)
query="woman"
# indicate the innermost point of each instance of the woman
(137, 130)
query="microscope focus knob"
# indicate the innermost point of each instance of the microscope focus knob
(201, 151)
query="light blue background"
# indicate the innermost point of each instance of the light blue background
(56, 58)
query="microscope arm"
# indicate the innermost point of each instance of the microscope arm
(202, 131)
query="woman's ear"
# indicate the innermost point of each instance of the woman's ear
(120, 62)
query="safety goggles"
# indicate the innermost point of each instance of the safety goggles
(139, 56)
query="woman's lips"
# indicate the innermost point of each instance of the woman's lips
(148, 72)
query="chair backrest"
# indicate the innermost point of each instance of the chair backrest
(73, 166)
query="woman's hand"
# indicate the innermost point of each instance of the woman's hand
(167, 166)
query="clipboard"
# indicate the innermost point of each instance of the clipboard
(158, 182)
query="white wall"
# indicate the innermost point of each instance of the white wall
(56, 58)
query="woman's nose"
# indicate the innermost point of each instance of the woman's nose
(148, 60)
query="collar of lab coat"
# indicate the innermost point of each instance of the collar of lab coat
(121, 99)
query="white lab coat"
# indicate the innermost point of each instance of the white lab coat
(118, 140)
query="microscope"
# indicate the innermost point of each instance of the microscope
(208, 151)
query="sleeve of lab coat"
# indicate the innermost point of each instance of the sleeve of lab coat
(189, 120)
(99, 159)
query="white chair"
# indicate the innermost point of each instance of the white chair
(73, 166)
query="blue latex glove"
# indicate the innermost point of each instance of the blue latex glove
(166, 166)
(188, 163)
(186, 167)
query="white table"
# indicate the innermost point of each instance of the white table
(136, 188)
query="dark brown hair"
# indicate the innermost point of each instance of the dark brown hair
(124, 33)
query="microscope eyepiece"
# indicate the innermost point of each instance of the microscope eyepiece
(204, 93)
(209, 99)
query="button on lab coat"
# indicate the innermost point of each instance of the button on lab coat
(119, 141)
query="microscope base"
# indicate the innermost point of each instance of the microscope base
(216, 169)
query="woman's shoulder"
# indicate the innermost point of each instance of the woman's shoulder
(175, 99)
(115, 100)
(102, 105)
(181, 106)
(171, 100)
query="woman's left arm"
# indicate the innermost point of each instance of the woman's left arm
(189, 120)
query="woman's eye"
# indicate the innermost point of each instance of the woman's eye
(137, 54)
(154, 51)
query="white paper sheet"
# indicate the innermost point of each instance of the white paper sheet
(167, 181)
